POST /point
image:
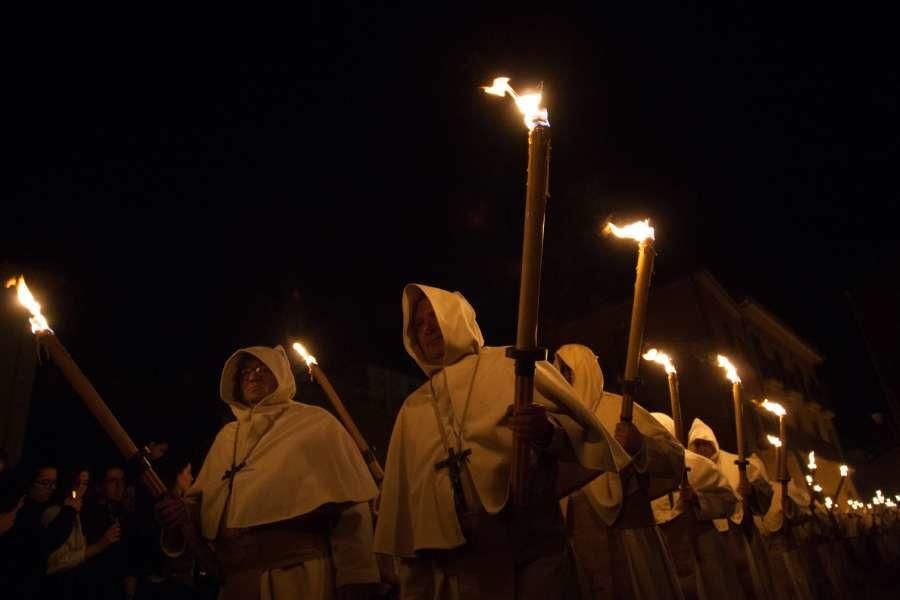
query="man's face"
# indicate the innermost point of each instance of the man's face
(113, 487)
(256, 380)
(428, 332)
(43, 485)
(703, 448)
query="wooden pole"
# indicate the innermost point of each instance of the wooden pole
(675, 400)
(120, 438)
(526, 351)
(646, 253)
(319, 377)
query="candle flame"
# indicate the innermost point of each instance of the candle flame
(638, 231)
(817, 488)
(844, 470)
(38, 320)
(308, 358)
(662, 358)
(828, 502)
(529, 104)
(868, 506)
(809, 479)
(730, 371)
(74, 495)
(773, 407)
(775, 441)
(878, 493)
(812, 461)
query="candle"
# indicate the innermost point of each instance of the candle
(643, 234)
(663, 359)
(318, 375)
(526, 351)
(732, 375)
(781, 454)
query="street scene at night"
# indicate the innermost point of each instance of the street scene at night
(586, 304)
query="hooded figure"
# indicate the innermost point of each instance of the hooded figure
(283, 492)
(447, 522)
(619, 549)
(695, 544)
(751, 557)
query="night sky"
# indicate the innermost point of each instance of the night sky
(171, 199)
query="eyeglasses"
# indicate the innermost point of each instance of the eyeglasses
(47, 483)
(248, 371)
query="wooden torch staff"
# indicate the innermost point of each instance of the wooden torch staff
(732, 376)
(526, 351)
(318, 375)
(120, 438)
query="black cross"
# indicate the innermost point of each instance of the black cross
(230, 473)
(453, 463)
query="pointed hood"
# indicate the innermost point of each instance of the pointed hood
(456, 319)
(277, 361)
(583, 371)
(665, 420)
(702, 431)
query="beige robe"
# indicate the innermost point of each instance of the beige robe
(618, 547)
(300, 463)
(696, 547)
(488, 551)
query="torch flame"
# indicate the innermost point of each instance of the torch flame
(828, 502)
(878, 493)
(812, 461)
(529, 104)
(844, 470)
(662, 358)
(638, 231)
(817, 488)
(809, 479)
(306, 356)
(775, 441)
(773, 407)
(38, 320)
(730, 371)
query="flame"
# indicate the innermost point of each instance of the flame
(844, 470)
(529, 104)
(812, 461)
(662, 358)
(890, 503)
(38, 320)
(869, 506)
(828, 502)
(897, 496)
(730, 371)
(10, 282)
(773, 407)
(817, 488)
(308, 358)
(775, 441)
(638, 231)
(74, 495)
(878, 493)
(809, 479)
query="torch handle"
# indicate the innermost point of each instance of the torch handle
(368, 455)
(675, 400)
(127, 448)
(529, 296)
(739, 422)
(88, 394)
(646, 254)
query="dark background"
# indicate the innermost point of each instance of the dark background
(174, 196)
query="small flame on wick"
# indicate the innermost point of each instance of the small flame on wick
(828, 502)
(660, 357)
(773, 407)
(817, 488)
(638, 231)
(306, 356)
(529, 104)
(812, 461)
(844, 470)
(775, 441)
(730, 370)
(74, 495)
(809, 479)
(38, 320)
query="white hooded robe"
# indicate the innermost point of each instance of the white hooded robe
(510, 555)
(691, 536)
(638, 564)
(298, 459)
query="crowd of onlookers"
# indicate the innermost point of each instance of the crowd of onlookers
(70, 531)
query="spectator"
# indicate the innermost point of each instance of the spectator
(63, 565)
(32, 543)
(111, 574)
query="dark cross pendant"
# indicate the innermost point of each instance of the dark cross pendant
(453, 463)
(230, 473)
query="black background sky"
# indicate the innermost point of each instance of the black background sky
(171, 200)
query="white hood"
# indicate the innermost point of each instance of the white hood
(298, 457)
